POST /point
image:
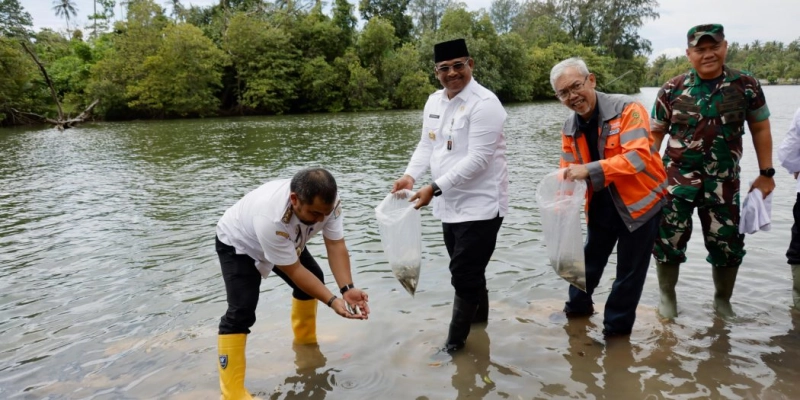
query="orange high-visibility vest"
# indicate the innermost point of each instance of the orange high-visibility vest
(630, 167)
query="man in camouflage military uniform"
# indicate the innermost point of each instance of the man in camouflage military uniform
(704, 111)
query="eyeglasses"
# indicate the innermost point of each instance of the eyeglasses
(443, 69)
(564, 94)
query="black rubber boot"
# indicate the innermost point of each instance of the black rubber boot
(482, 313)
(463, 314)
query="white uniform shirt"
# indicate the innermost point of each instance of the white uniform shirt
(472, 172)
(789, 151)
(263, 226)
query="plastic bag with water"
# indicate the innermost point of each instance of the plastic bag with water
(400, 226)
(560, 203)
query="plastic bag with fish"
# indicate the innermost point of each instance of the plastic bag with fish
(560, 203)
(400, 226)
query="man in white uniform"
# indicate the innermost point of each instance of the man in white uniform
(265, 231)
(463, 144)
(789, 155)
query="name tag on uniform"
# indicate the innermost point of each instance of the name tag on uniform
(433, 116)
(613, 132)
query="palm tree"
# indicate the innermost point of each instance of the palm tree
(65, 9)
(177, 9)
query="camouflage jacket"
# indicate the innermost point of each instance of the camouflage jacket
(705, 125)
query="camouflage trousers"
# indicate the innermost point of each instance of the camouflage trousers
(720, 223)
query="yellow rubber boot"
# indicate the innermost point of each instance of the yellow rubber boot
(304, 321)
(231, 364)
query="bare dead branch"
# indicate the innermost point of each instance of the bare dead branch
(46, 78)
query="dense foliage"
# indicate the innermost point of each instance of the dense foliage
(262, 57)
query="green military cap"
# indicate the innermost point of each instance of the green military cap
(716, 31)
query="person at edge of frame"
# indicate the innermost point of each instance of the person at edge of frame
(703, 112)
(789, 156)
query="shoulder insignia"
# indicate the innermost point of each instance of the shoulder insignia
(337, 209)
(282, 233)
(287, 216)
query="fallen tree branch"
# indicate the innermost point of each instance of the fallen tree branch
(62, 123)
(46, 78)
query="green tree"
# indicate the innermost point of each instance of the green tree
(182, 77)
(320, 87)
(539, 24)
(65, 9)
(363, 92)
(14, 20)
(428, 13)
(621, 20)
(344, 19)
(316, 35)
(503, 13)
(413, 90)
(122, 64)
(16, 90)
(102, 20)
(266, 60)
(70, 75)
(456, 22)
(393, 11)
(609, 25)
(375, 43)
(401, 69)
(178, 10)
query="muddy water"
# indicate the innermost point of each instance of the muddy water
(110, 288)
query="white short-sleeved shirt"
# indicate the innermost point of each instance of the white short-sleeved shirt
(263, 226)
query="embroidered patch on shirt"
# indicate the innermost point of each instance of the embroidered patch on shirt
(337, 210)
(287, 216)
(614, 131)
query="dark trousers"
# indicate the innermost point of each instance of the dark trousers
(242, 282)
(470, 246)
(633, 259)
(793, 254)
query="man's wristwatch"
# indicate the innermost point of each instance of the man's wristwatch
(769, 172)
(346, 288)
(436, 190)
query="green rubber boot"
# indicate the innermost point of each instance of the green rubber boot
(724, 281)
(667, 279)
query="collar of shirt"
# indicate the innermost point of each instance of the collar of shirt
(463, 95)
(693, 80)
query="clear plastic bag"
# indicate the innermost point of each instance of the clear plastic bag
(560, 202)
(400, 226)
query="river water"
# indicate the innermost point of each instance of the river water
(110, 287)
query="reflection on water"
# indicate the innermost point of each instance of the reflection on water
(311, 380)
(110, 288)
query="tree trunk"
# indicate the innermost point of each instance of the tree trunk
(61, 123)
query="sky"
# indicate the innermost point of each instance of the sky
(744, 20)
